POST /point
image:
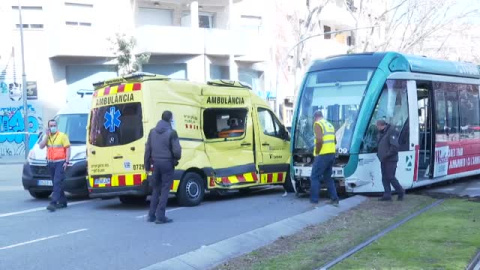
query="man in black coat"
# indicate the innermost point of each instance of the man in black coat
(388, 155)
(163, 150)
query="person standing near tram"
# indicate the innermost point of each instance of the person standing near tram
(324, 157)
(387, 153)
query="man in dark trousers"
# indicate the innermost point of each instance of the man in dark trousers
(324, 157)
(163, 150)
(58, 158)
(388, 155)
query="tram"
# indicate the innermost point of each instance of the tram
(432, 104)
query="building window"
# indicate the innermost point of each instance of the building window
(350, 41)
(252, 77)
(78, 15)
(219, 72)
(327, 29)
(205, 20)
(32, 17)
(252, 23)
(154, 17)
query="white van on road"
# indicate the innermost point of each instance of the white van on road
(72, 120)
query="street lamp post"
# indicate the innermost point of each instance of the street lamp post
(24, 84)
(295, 46)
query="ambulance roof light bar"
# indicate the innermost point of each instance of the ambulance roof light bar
(229, 83)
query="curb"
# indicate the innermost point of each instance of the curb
(475, 263)
(210, 256)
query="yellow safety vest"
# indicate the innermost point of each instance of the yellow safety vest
(328, 146)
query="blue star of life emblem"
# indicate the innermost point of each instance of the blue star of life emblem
(112, 119)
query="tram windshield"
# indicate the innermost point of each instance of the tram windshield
(337, 93)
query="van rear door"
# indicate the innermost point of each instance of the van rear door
(116, 132)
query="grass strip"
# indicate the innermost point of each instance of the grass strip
(317, 245)
(445, 237)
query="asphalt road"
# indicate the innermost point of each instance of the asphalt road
(104, 234)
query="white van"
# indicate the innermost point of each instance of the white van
(72, 120)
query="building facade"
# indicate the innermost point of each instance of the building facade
(67, 47)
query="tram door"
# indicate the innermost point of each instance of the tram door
(424, 135)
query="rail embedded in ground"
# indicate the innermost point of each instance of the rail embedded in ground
(378, 236)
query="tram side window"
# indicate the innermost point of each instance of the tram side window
(447, 111)
(392, 107)
(440, 113)
(469, 111)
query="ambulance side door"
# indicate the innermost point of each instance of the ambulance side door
(230, 150)
(274, 143)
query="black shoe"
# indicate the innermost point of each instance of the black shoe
(385, 199)
(51, 207)
(335, 203)
(163, 221)
(400, 197)
(61, 205)
(150, 219)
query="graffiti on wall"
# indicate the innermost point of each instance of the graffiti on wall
(12, 129)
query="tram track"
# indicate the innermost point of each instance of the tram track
(374, 238)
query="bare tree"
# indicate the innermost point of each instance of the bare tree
(407, 25)
(293, 25)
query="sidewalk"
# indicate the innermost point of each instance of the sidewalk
(210, 256)
(461, 188)
(11, 173)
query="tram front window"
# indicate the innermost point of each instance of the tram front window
(337, 93)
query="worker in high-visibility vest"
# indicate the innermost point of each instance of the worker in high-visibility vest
(324, 156)
(58, 159)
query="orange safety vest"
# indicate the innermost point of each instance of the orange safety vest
(57, 145)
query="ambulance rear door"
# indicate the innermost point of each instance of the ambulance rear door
(116, 132)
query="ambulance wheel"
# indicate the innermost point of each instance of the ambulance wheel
(191, 190)
(128, 199)
(40, 194)
(288, 185)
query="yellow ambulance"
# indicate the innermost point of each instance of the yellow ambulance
(229, 136)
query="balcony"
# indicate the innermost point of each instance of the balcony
(79, 41)
(188, 41)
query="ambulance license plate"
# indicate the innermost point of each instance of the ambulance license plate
(102, 181)
(45, 183)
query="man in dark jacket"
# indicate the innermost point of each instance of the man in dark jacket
(163, 151)
(388, 155)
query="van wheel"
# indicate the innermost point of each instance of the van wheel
(40, 194)
(191, 190)
(288, 186)
(128, 199)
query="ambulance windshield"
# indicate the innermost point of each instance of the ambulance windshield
(116, 125)
(337, 93)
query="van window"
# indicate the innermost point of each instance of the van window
(269, 123)
(224, 123)
(116, 125)
(74, 125)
